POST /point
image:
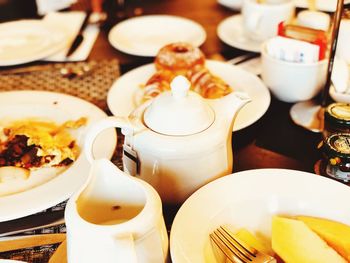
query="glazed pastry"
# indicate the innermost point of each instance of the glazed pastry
(206, 84)
(159, 82)
(179, 57)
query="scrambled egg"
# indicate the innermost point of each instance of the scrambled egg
(53, 142)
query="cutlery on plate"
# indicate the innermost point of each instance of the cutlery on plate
(244, 58)
(249, 62)
(32, 222)
(79, 37)
(20, 242)
(225, 245)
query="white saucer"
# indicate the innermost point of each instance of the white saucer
(145, 35)
(231, 32)
(321, 5)
(305, 114)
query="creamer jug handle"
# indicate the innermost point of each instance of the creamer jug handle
(95, 129)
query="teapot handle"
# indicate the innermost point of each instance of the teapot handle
(97, 128)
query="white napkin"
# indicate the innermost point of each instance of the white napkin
(292, 50)
(47, 6)
(340, 75)
(72, 21)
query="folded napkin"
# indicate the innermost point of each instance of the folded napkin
(340, 76)
(46, 6)
(71, 22)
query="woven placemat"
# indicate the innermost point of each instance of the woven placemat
(92, 86)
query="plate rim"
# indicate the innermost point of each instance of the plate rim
(52, 50)
(236, 127)
(82, 166)
(237, 176)
(222, 28)
(130, 51)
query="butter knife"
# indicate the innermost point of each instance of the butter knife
(79, 37)
(32, 222)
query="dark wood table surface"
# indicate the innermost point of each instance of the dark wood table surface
(274, 141)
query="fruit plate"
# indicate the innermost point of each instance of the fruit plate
(248, 200)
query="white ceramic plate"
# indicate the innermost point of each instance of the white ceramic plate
(145, 35)
(38, 194)
(24, 41)
(231, 32)
(322, 5)
(249, 199)
(121, 96)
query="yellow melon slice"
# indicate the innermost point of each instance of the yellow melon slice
(254, 241)
(295, 242)
(337, 235)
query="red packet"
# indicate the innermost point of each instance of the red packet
(314, 36)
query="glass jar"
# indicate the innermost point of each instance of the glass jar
(336, 152)
(337, 118)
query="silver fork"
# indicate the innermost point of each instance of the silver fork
(234, 250)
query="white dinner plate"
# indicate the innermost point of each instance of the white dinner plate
(248, 199)
(38, 193)
(121, 98)
(231, 32)
(145, 35)
(321, 5)
(25, 41)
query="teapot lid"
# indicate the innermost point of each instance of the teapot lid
(179, 111)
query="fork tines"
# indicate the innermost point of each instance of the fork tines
(231, 247)
(234, 249)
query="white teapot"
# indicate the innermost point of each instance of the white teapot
(115, 217)
(177, 141)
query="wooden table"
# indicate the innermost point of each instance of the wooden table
(274, 141)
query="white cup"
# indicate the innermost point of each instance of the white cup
(314, 19)
(343, 44)
(260, 20)
(292, 82)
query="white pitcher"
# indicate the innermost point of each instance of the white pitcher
(115, 218)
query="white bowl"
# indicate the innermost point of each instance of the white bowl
(292, 82)
(249, 199)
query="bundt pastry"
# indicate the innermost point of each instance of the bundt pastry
(187, 60)
(179, 58)
(206, 84)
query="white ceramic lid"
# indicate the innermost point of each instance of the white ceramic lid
(179, 111)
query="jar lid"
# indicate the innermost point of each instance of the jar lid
(338, 114)
(179, 111)
(337, 145)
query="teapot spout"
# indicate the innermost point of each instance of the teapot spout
(227, 107)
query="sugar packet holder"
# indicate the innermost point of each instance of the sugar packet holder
(313, 36)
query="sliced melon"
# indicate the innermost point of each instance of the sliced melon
(337, 235)
(254, 241)
(295, 242)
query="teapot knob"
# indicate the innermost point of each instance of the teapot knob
(180, 86)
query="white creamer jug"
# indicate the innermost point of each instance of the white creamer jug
(115, 218)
